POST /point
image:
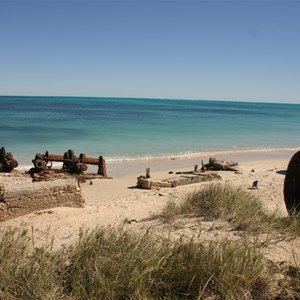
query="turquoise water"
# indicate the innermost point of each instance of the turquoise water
(122, 129)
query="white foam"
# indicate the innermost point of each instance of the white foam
(178, 156)
(190, 154)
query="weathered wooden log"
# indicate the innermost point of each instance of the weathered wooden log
(291, 189)
(184, 179)
(220, 165)
(193, 178)
(148, 184)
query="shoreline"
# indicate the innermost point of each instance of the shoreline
(127, 166)
(124, 168)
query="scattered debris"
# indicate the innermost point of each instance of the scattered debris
(44, 212)
(254, 185)
(130, 221)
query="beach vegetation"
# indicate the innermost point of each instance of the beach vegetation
(242, 209)
(233, 204)
(108, 263)
(28, 272)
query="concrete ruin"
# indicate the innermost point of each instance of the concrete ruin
(20, 196)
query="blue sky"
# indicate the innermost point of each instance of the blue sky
(227, 50)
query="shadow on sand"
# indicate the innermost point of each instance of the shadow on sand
(281, 172)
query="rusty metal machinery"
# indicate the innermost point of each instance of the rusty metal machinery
(71, 163)
(7, 161)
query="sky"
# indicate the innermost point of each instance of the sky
(240, 50)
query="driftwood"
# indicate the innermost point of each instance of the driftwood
(146, 183)
(220, 165)
(183, 178)
(291, 189)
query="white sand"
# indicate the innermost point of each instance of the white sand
(109, 202)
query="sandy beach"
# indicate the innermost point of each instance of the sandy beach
(113, 202)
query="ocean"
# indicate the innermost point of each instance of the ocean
(125, 129)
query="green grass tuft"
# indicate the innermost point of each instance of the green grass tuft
(233, 204)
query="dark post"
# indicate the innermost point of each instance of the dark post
(148, 173)
(102, 167)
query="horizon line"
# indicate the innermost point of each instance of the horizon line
(154, 98)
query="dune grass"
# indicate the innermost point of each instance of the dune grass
(233, 204)
(27, 272)
(245, 212)
(116, 264)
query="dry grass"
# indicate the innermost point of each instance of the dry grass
(117, 264)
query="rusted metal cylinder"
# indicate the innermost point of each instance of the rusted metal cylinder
(2, 153)
(80, 167)
(82, 158)
(67, 157)
(71, 163)
(54, 157)
(40, 164)
(92, 161)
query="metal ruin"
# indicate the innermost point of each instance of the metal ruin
(7, 161)
(71, 163)
(292, 185)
